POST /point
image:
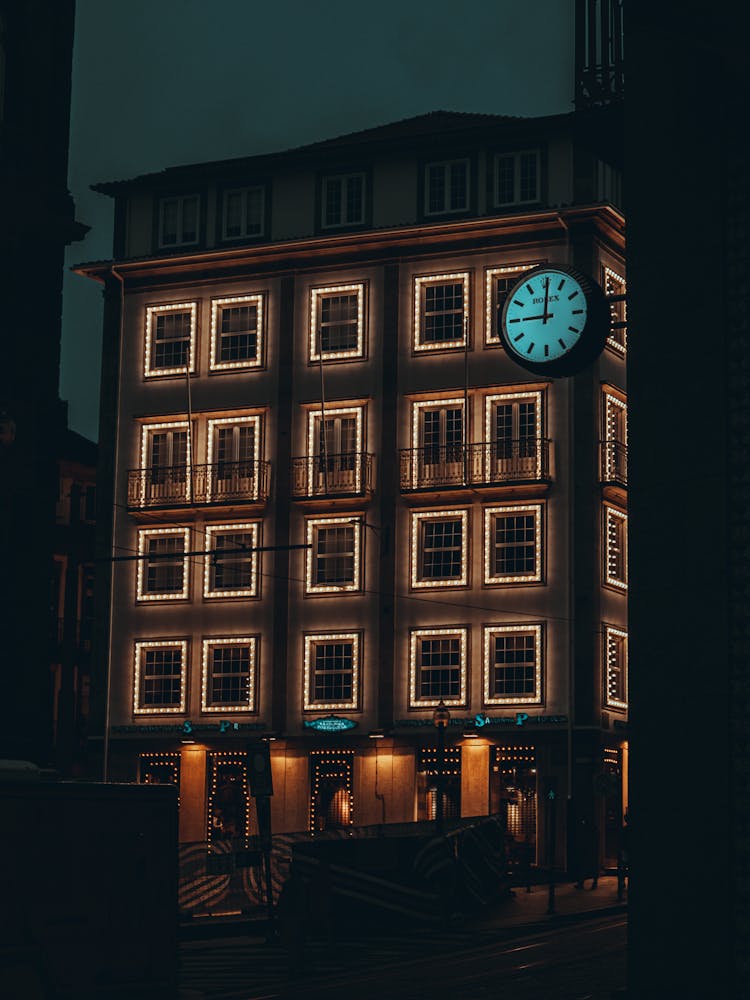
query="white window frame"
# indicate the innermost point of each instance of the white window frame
(140, 647)
(316, 296)
(420, 283)
(615, 648)
(615, 284)
(344, 179)
(499, 398)
(490, 631)
(172, 425)
(255, 420)
(243, 192)
(313, 416)
(251, 641)
(615, 521)
(447, 167)
(212, 531)
(512, 510)
(144, 536)
(216, 307)
(418, 520)
(491, 333)
(180, 199)
(174, 307)
(311, 640)
(461, 632)
(312, 527)
(516, 155)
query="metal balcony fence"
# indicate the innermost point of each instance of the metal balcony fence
(613, 462)
(344, 474)
(218, 483)
(515, 460)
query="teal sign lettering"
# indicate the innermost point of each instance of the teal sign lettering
(330, 724)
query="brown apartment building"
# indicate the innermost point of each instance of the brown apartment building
(347, 503)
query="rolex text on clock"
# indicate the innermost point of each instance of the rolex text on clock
(555, 321)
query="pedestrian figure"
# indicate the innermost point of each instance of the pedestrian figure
(586, 853)
(623, 860)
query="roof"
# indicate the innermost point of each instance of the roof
(430, 126)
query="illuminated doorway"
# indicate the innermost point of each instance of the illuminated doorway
(428, 767)
(331, 800)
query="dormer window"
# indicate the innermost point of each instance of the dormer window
(343, 200)
(243, 213)
(517, 178)
(179, 220)
(446, 188)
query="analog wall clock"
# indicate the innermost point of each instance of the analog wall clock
(555, 321)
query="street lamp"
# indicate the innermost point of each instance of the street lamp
(441, 717)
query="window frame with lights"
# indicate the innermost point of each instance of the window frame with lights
(416, 635)
(419, 521)
(313, 525)
(535, 629)
(216, 529)
(218, 305)
(491, 515)
(495, 297)
(614, 547)
(155, 310)
(141, 646)
(209, 643)
(143, 568)
(421, 284)
(613, 632)
(319, 294)
(310, 642)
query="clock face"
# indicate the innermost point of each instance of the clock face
(555, 321)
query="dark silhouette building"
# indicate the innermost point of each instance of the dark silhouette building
(38, 222)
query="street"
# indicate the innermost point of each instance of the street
(578, 961)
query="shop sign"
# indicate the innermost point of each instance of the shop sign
(189, 728)
(482, 721)
(330, 724)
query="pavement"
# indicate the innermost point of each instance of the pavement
(237, 960)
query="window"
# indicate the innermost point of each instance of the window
(615, 289)
(499, 281)
(616, 668)
(615, 548)
(517, 178)
(438, 666)
(441, 311)
(165, 461)
(229, 674)
(236, 332)
(446, 187)
(615, 443)
(337, 322)
(513, 544)
(160, 677)
(513, 664)
(437, 454)
(233, 458)
(333, 560)
(243, 213)
(439, 548)
(513, 432)
(343, 200)
(179, 221)
(332, 671)
(170, 339)
(335, 446)
(232, 569)
(163, 573)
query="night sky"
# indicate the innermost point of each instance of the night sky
(178, 81)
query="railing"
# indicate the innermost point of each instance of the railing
(344, 474)
(219, 483)
(518, 460)
(613, 462)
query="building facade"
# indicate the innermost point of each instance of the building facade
(337, 503)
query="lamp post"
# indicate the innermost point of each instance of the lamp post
(440, 719)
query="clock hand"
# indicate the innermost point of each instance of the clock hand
(546, 299)
(544, 316)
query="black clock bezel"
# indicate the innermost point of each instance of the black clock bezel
(592, 339)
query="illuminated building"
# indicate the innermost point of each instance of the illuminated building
(305, 383)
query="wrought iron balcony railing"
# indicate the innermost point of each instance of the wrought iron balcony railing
(180, 486)
(518, 460)
(613, 462)
(345, 474)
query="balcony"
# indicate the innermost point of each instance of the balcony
(349, 474)
(525, 460)
(613, 463)
(221, 483)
